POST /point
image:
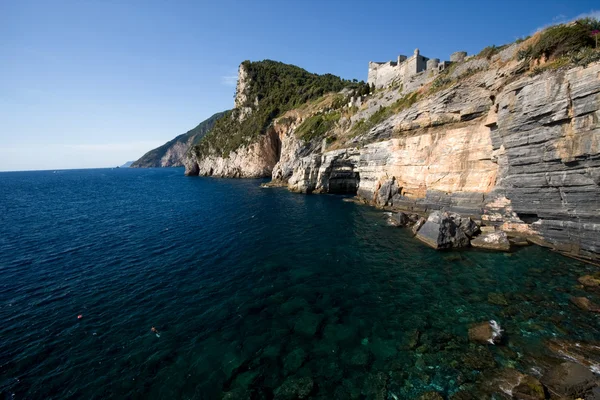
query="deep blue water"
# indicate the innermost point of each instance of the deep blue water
(250, 289)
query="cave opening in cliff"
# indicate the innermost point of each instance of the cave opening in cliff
(528, 218)
(344, 184)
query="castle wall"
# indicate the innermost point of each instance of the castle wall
(383, 74)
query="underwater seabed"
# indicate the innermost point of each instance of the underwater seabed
(260, 294)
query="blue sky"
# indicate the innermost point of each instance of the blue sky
(88, 84)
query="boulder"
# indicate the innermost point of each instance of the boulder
(590, 281)
(418, 224)
(399, 219)
(440, 231)
(570, 380)
(385, 193)
(465, 224)
(585, 304)
(488, 332)
(492, 241)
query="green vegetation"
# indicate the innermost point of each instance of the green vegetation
(317, 125)
(562, 40)
(490, 51)
(277, 88)
(363, 126)
(152, 159)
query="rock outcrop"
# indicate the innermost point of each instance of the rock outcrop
(443, 231)
(492, 241)
(489, 140)
(255, 160)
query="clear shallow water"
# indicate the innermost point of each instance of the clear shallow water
(250, 287)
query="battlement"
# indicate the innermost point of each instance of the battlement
(383, 74)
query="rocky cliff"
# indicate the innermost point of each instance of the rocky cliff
(172, 153)
(509, 141)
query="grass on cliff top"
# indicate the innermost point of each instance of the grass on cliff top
(277, 88)
(565, 40)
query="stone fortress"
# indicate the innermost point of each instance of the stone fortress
(383, 74)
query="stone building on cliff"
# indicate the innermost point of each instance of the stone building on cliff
(383, 74)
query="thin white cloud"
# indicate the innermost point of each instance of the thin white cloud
(561, 19)
(229, 80)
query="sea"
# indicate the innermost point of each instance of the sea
(147, 284)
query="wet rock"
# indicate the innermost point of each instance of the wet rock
(518, 241)
(584, 353)
(488, 332)
(375, 386)
(585, 304)
(570, 380)
(440, 231)
(529, 388)
(400, 219)
(431, 396)
(497, 299)
(590, 281)
(293, 361)
(492, 241)
(294, 388)
(418, 224)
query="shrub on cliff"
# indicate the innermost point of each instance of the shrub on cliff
(561, 40)
(273, 88)
(317, 126)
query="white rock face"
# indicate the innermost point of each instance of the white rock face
(253, 161)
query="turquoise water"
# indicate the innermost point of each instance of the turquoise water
(251, 289)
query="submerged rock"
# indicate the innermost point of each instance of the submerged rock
(492, 241)
(529, 388)
(441, 231)
(497, 299)
(375, 386)
(570, 380)
(431, 396)
(488, 332)
(590, 281)
(585, 304)
(584, 353)
(294, 388)
(293, 361)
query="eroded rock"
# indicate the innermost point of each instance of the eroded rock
(441, 231)
(492, 241)
(570, 379)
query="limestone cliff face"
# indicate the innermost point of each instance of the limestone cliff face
(255, 160)
(522, 153)
(494, 142)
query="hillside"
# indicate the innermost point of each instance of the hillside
(265, 90)
(508, 137)
(171, 154)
